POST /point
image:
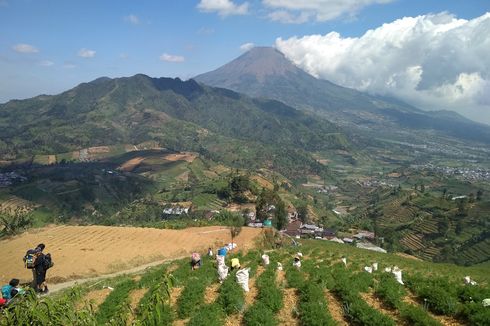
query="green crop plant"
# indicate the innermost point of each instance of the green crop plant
(231, 296)
(116, 302)
(155, 309)
(313, 310)
(269, 294)
(209, 315)
(259, 315)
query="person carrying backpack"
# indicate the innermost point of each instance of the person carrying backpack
(44, 263)
(31, 260)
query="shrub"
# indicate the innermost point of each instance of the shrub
(294, 277)
(390, 291)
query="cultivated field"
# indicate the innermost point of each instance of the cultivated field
(85, 251)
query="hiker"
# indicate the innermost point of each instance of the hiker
(43, 263)
(210, 252)
(30, 260)
(195, 261)
(10, 290)
(297, 262)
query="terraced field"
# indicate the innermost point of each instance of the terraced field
(86, 251)
(322, 292)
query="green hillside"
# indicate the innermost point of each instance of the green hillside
(177, 115)
(322, 292)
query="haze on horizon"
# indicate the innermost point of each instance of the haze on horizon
(430, 54)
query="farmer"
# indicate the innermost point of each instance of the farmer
(235, 263)
(210, 252)
(195, 261)
(297, 262)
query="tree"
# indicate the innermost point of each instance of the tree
(14, 222)
(302, 213)
(280, 215)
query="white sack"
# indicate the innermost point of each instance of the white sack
(486, 302)
(299, 254)
(265, 260)
(467, 280)
(242, 278)
(344, 260)
(279, 266)
(222, 272)
(220, 259)
(398, 275)
(388, 269)
(368, 269)
(375, 266)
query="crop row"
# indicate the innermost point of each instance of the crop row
(268, 302)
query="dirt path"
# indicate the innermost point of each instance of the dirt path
(135, 297)
(444, 320)
(287, 314)
(377, 304)
(81, 252)
(212, 293)
(335, 308)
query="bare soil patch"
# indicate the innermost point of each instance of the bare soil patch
(212, 293)
(95, 298)
(130, 165)
(287, 314)
(87, 251)
(184, 156)
(377, 304)
(335, 308)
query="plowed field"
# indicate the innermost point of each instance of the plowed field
(86, 251)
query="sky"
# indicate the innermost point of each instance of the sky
(430, 53)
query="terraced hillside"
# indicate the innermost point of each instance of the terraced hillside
(322, 292)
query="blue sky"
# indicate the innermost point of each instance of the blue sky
(51, 46)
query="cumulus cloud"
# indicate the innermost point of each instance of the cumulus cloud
(246, 46)
(432, 61)
(132, 19)
(172, 58)
(223, 7)
(86, 53)
(25, 48)
(296, 12)
(46, 63)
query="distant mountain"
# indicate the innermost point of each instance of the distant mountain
(180, 115)
(266, 72)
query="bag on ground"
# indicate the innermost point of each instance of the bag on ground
(368, 269)
(375, 266)
(265, 259)
(242, 278)
(220, 260)
(344, 260)
(398, 275)
(279, 266)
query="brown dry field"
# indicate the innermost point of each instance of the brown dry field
(87, 251)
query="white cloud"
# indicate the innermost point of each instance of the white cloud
(132, 19)
(46, 63)
(86, 53)
(431, 61)
(25, 48)
(172, 58)
(246, 46)
(223, 7)
(296, 12)
(69, 65)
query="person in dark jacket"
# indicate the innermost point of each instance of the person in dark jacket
(36, 253)
(43, 263)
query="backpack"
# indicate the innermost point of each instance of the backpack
(7, 291)
(31, 257)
